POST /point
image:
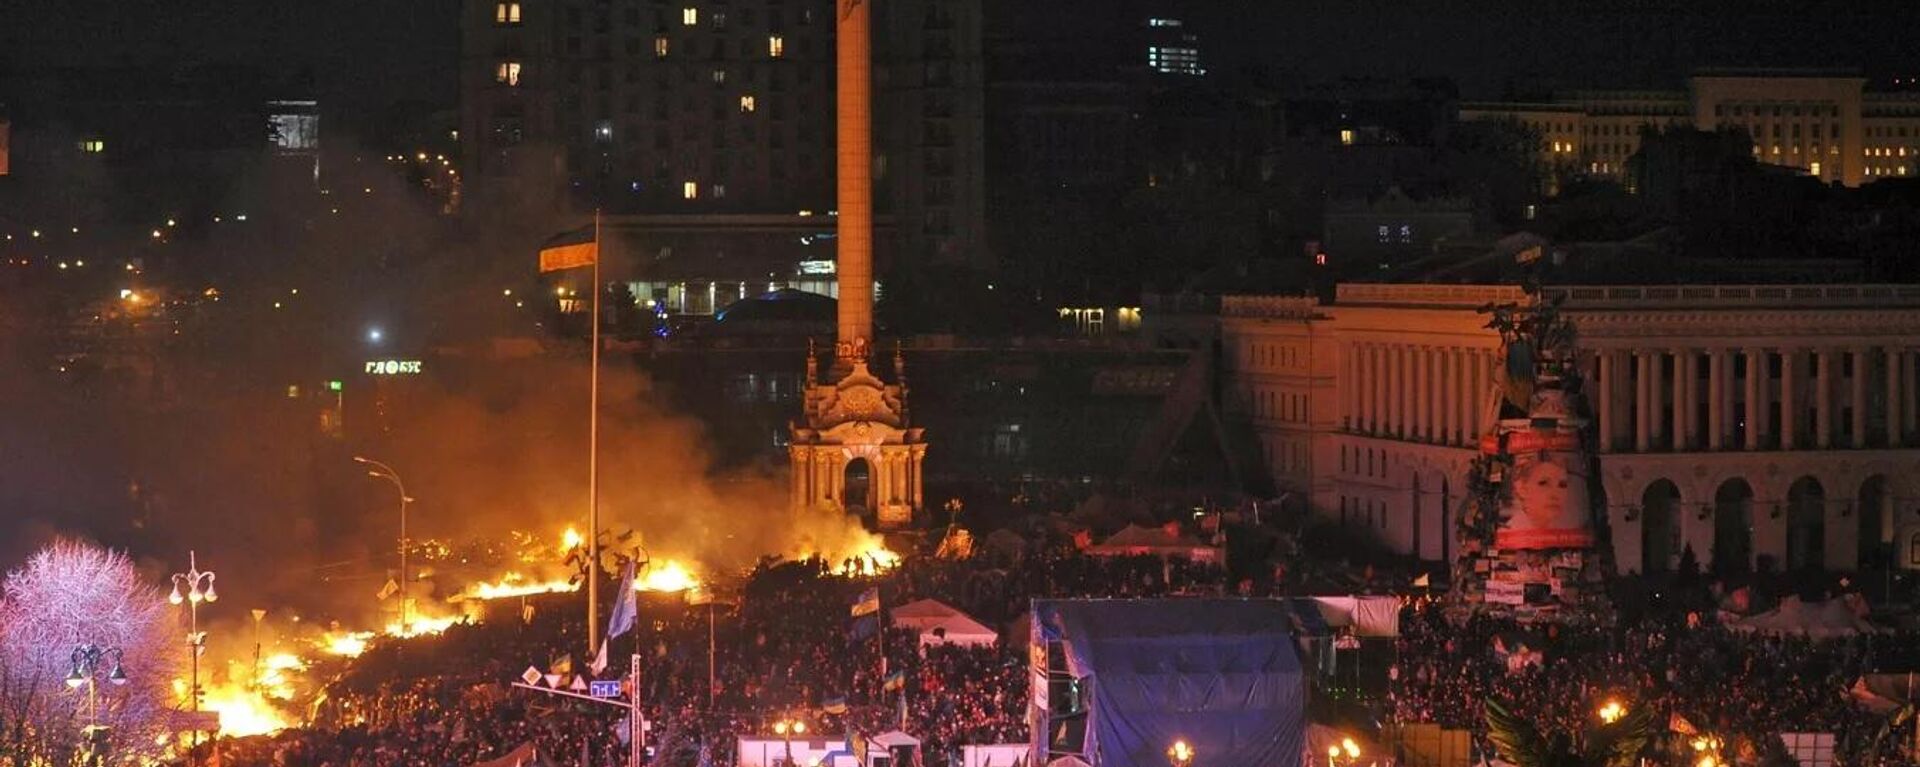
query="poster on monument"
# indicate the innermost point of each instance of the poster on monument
(1546, 504)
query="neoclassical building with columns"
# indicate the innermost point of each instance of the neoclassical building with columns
(1762, 425)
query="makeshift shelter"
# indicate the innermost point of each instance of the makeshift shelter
(524, 756)
(1123, 679)
(1820, 620)
(893, 749)
(995, 755)
(1371, 617)
(940, 623)
(1136, 540)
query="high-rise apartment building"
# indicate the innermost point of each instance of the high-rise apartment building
(1824, 123)
(703, 129)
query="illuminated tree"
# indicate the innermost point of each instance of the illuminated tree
(70, 594)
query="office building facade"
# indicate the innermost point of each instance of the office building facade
(1755, 425)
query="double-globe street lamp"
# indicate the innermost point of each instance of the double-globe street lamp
(86, 665)
(199, 588)
(1180, 754)
(380, 470)
(785, 727)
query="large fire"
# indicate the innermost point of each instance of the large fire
(514, 584)
(347, 644)
(666, 575)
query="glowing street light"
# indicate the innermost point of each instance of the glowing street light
(1611, 712)
(382, 471)
(86, 665)
(1180, 754)
(783, 728)
(196, 639)
(375, 335)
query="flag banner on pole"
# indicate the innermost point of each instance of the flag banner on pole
(835, 705)
(562, 665)
(864, 628)
(599, 664)
(894, 681)
(626, 604)
(569, 250)
(867, 603)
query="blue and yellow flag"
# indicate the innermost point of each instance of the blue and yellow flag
(867, 603)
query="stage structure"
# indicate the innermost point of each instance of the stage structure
(856, 452)
(1116, 683)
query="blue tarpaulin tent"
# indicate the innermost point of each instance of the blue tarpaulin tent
(1221, 674)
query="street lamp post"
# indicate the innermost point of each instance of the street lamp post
(382, 471)
(1347, 747)
(785, 728)
(86, 665)
(1180, 754)
(194, 578)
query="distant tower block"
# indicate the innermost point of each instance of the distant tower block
(856, 451)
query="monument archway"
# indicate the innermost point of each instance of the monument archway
(857, 486)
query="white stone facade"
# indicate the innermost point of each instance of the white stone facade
(1370, 408)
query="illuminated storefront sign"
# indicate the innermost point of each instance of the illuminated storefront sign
(393, 367)
(817, 267)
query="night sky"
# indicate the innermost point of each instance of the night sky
(365, 54)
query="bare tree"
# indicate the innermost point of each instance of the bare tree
(67, 595)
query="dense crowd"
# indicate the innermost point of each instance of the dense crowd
(780, 649)
(783, 651)
(1693, 671)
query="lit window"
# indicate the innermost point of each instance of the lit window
(690, 16)
(506, 13)
(660, 46)
(690, 190)
(719, 191)
(746, 104)
(1346, 137)
(1163, 22)
(719, 77)
(507, 73)
(92, 146)
(1814, 168)
(776, 46)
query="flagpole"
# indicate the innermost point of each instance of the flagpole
(593, 457)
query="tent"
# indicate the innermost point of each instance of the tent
(1147, 672)
(940, 623)
(524, 756)
(1136, 540)
(995, 755)
(1820, 620)
(896, 747)
(1377, 616)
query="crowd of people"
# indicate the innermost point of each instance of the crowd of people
(1695, 673)
(781, 649)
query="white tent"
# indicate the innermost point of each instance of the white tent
(940, 623)
(995, 755)
(921, 613)
(1135, 540)
(1831, 618)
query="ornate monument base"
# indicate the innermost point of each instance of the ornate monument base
(856, 452)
